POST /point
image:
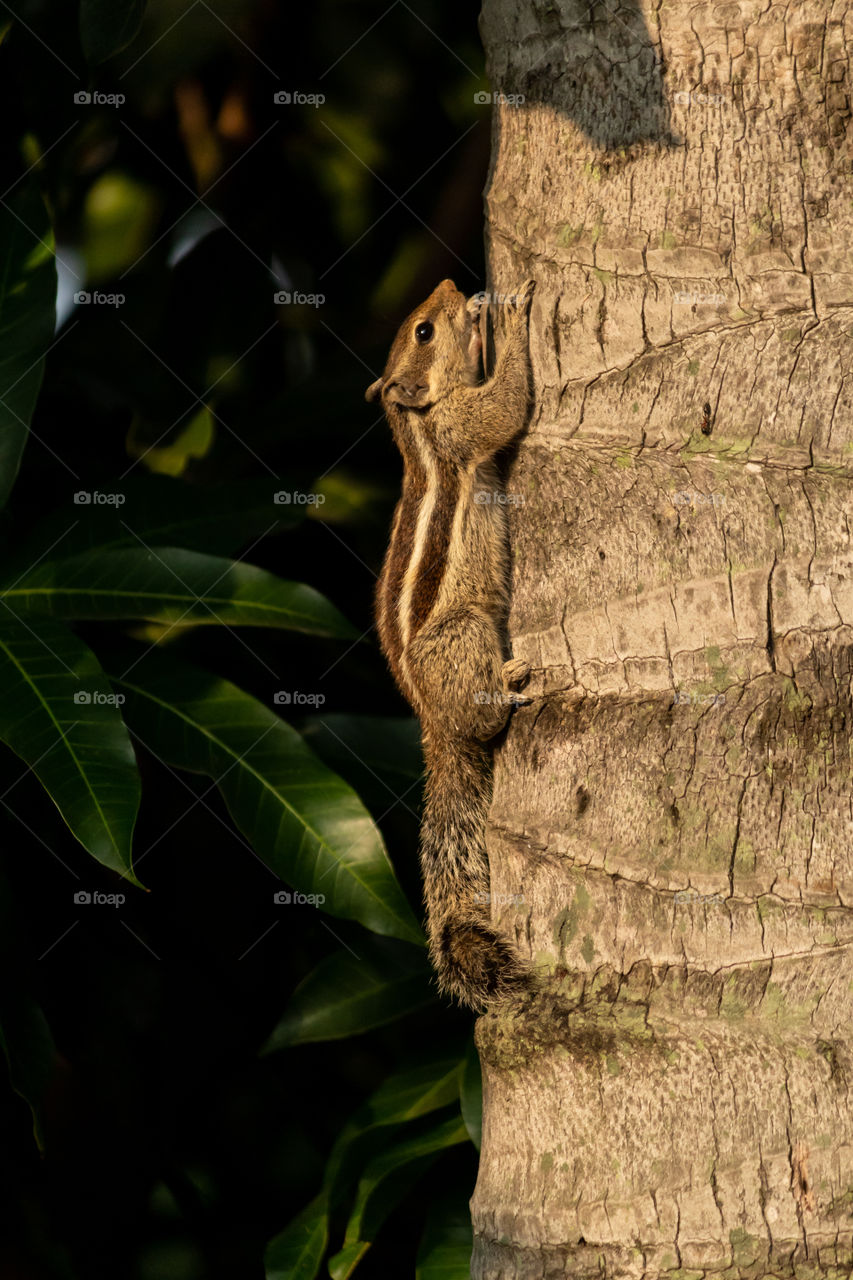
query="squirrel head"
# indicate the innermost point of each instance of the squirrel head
(437, 348)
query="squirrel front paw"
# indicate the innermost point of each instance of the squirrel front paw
(514, 674)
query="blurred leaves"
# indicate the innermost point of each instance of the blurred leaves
(347, 498)
(108, 26)
(119, 216)
(161, 512)
(27, 291)
(194, 440)
(30, 1053)
(471, 1095)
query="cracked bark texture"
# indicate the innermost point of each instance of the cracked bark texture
(670, 836)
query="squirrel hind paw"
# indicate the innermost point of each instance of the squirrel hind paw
(477, 966)
(524, 296)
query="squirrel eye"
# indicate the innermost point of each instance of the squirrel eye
(423, 332)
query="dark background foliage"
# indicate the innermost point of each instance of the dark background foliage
(172, 1146)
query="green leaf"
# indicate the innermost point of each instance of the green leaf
(379, 755)
(402, 1097)
(79, 750)
(445, 1251)
(344, 1263)
(410, 1094)
(30, 1053)
(162, 512)
(27, 318)
(169, 584)
(347, 995)
(471, 1095)
(302, 819)
(389, 1176)
(297, 1252)
(108, 26)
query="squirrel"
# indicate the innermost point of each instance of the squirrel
(441, 604)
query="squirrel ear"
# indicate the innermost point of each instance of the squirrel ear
(408, 395)
(374, 391)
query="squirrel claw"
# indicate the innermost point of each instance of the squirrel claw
(524, 295)
(515, 674)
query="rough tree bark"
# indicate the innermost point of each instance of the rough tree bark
(674, 809)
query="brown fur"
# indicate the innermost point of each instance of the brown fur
(434, 559)
(390, 580)
(441, 606)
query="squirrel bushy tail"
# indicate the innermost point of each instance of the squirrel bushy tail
(474, 963)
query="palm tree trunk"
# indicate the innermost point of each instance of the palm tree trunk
(675, 809)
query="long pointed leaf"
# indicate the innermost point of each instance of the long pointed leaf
(402, 1097)
(58, 714)
(27, 314)
(297, 1251)
(170, 584)
(445, 1250)
(383, 1185)
(344, 1263)
(347, 995)
(302, 819)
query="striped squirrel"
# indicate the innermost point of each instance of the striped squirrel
(441, 605)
